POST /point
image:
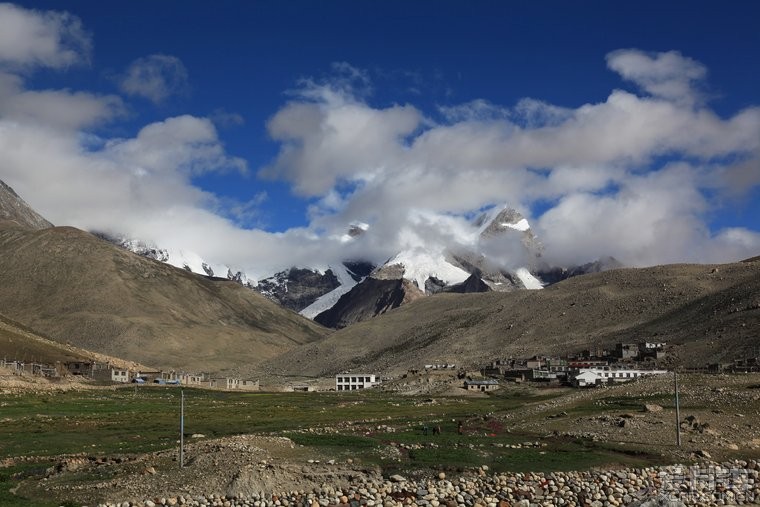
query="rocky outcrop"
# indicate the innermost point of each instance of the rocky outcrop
(297, 288)
(368, 299)
(551, 275)
(473, 284)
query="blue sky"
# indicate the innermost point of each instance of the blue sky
(414, 77)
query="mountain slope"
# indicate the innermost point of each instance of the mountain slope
(19, 343)
(711, 312)
(79, 289)
(367, 299)
(14, 209)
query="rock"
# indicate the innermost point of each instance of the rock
(397, 478)
(703, 454)
(652, 407)
(441, 476)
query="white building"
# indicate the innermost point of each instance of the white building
(354, 381)
(593, 376)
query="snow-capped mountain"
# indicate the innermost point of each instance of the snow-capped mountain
(485, 249)
(497, 251)
(179, 258)
(423, 270)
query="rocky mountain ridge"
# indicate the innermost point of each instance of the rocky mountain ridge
(14, 209)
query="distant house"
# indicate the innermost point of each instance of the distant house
(83, 368)
(586, 378)
(354, 381)
(594, 376)
(440, 366)
(112, 375)
(191, 379)
(652, 350)
(545, 375)
(481, 385)
(232, 384)
(517, 375)
(586, 363)
(224, 383)
(626, 351)
(535, 362)
(249, 385)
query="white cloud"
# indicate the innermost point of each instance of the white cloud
(670, 75)
(47, 39)
(593, 162)
(475, 110)
(186, 145)
(58, 108)
(155, 77)
(597, 170)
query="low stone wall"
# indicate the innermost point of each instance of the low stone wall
(708, 483)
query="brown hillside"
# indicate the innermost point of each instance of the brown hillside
(78, 289)
(711, 312)
(19, 343)
(14, 209)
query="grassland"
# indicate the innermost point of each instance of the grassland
(371, 427)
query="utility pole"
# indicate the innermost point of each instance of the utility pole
(182, 429)
(678, 410)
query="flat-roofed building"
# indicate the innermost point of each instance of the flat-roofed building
(354, 381)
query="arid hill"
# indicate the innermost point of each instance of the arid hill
(78, 289)
(14, 209)
(710, 312)
(19, 343)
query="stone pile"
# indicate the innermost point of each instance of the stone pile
(709, 483)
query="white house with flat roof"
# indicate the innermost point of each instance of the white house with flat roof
(354, 381)
(585, 377)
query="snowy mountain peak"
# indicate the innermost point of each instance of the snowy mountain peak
(178, 258)
(418, 265)
(499, 220)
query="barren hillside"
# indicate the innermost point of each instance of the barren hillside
(78, 289)
(710, 312)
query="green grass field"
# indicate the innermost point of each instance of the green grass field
(128, 420)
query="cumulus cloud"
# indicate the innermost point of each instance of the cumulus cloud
(58, 108)
(634, 175)
(669, 75)
(155, 77)
(598, 167)
(47, 39)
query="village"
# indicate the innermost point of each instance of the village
(589, 368)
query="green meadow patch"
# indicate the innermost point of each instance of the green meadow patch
(397, 433)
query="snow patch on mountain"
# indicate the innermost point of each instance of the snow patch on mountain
(522, 225)
(419, 265)
(327, 301)
(528, 280)
(180, 258)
